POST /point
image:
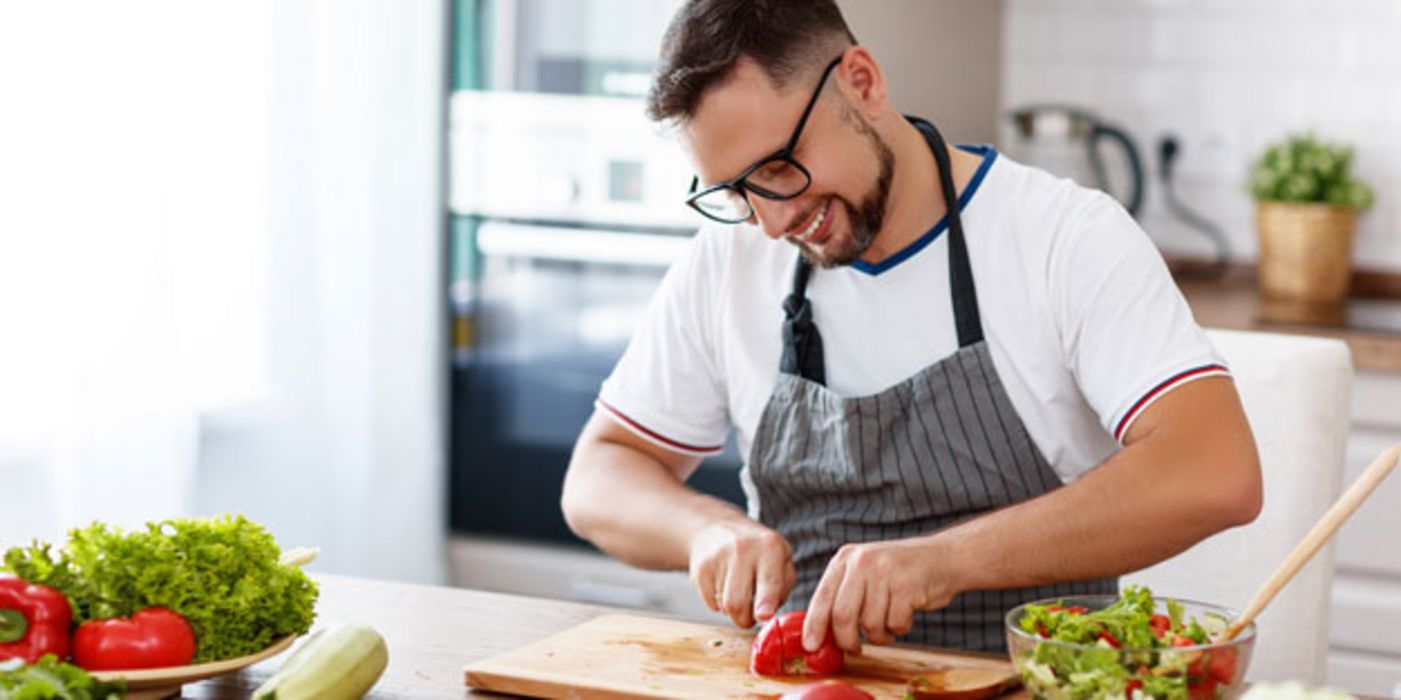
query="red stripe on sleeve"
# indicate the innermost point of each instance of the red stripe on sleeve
(1160, 389)
(656, 437)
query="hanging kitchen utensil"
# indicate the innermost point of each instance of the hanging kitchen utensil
(1067, 141)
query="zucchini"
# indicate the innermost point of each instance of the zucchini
(336, 663)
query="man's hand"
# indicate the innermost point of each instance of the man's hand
(743, 569)
(876, 587)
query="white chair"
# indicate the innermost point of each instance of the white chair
(1296, 391)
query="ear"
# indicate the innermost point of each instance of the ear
(863, 82)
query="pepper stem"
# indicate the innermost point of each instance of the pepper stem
(13, 625)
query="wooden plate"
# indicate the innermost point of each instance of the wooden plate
(150, 683)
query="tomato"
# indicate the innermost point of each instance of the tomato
(778, 650)
(1160, 625)
(1222, 666)
(151, 638)
(1110, 639)
(1202, 689)
(827, 690)
(1131, 686)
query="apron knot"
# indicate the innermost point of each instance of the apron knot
(802, 344)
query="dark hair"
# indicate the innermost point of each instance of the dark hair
(786, 38)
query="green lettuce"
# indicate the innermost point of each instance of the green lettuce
(50, 679)
(221, 574)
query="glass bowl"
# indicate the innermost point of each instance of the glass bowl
(1058, 670)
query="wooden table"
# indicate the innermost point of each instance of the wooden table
(432, 633)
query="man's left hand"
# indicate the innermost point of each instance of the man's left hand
(875, 588)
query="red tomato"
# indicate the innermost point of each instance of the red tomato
(827, 690)
(778, 650)
(1203, 689)
(1131, 686)
(1110, 639)
(1222, 666)
(1160, 624)
(151, 638)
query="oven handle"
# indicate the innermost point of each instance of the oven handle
(535, 242)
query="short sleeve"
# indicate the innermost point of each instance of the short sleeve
(666, 387)
(1127, 333)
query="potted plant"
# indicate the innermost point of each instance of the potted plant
(1306, 214)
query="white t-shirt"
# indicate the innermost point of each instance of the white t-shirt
(1084, 323)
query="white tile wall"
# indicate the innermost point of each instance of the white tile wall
(1226, 77)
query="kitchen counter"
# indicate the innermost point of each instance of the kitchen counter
(432, 632)
(1370, 327)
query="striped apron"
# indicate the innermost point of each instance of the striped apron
(943, 446)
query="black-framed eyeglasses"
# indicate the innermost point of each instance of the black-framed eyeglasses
(777, 176)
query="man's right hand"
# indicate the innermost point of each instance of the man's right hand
(743, 569)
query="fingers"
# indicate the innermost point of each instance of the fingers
(900, 617)
(737, 593)
(873, 614)
(819, 617)
(704, 577)
(775, 579)
(847, 609)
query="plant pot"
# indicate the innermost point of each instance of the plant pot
(1305, 252)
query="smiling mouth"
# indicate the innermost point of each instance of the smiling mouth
(807, 233)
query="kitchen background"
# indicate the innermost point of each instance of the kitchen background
(355, 268)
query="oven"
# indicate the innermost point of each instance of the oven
(566, 213)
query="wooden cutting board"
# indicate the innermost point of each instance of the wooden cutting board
(628, 656)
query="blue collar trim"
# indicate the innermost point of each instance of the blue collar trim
(989, 154)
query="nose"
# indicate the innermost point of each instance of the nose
(777, 217)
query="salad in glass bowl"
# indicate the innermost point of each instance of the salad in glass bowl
(1133, 647)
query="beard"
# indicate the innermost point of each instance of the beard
(867, 217)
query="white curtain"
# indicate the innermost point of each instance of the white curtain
(220, 271)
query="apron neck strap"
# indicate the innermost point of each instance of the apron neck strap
(966, 317)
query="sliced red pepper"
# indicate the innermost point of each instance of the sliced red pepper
(778, 650)
(152, 638)
(34, 621)
(1132, 685)
(1110, 639)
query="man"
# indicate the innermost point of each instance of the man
(959, 383)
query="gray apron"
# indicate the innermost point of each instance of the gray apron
(940, 447)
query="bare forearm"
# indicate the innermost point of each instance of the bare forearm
(631, 507)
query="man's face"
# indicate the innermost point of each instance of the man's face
(745, 119)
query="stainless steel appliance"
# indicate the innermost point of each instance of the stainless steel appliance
(1069, 141)
(567, 210)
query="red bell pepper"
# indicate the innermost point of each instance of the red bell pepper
(152, 638)
(778, 650)
(34, 621)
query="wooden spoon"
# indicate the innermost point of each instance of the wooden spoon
(1337, 514)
